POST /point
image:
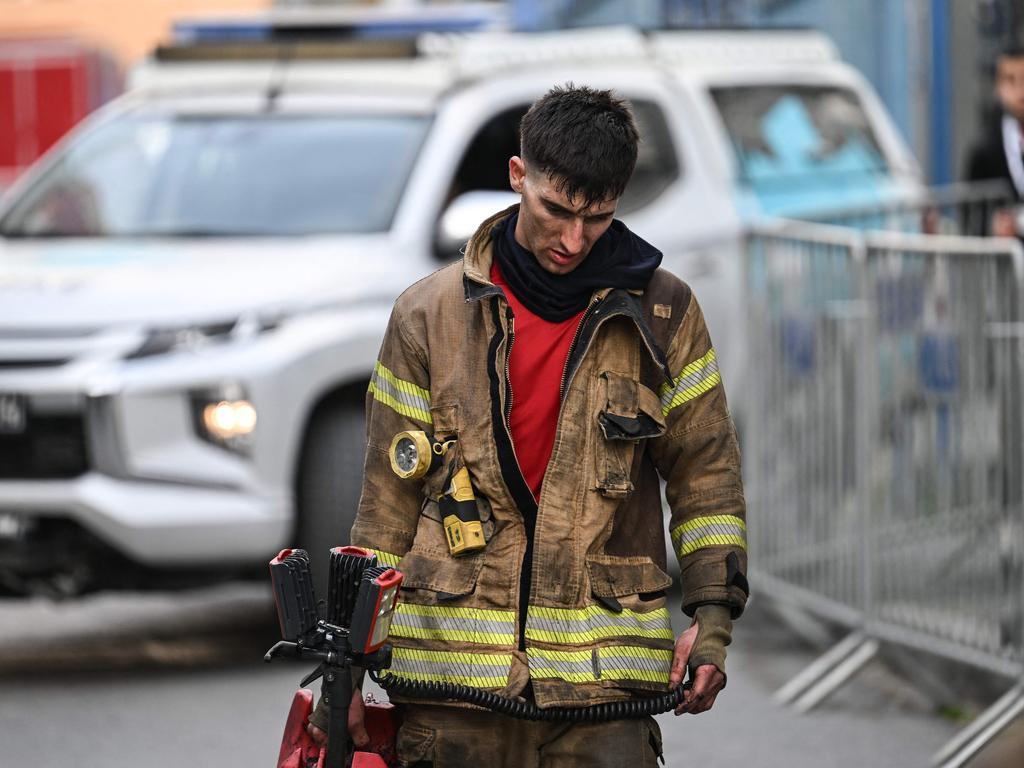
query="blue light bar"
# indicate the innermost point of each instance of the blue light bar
(337, 25)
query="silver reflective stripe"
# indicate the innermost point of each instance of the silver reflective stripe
(576, 626)
(709, 531)
(477, 669)
(694, 380)
(621, 662)
(402, 396)
(468, 625)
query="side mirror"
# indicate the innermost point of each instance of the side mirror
(463, 216)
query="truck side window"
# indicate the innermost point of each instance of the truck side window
(657, 164)
(485, 164)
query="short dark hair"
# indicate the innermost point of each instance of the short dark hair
(584, 139)
(1012, 51)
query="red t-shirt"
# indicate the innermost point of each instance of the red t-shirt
(539, 352)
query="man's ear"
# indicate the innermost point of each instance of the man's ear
(516, 173)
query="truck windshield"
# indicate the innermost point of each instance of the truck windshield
(792, 140)
(223, 176)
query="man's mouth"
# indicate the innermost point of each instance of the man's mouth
(560, 258)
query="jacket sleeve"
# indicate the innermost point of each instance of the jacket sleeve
(698, 456)
(397, 399)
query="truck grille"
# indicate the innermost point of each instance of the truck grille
(51, 447)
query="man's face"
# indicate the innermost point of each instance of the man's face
(1010, 85)
(558, 231)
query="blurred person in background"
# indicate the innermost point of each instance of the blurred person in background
(1000, 154)
(615, 381)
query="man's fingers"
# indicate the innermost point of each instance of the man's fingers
(317, 734)
(707, 683)
(680, 655)
(357, 720)
(704, 680)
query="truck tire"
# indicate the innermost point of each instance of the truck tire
(329, 481)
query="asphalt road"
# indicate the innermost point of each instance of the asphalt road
(178, 679)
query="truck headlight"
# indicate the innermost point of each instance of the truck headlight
(192, 338)
(225, 418)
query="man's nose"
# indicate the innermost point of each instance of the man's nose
(572, 237)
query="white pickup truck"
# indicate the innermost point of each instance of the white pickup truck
(194, 284)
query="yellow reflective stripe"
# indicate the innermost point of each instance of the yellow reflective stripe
(385, 558)
(612, 663)
(576, 626)
(694, 380)
(709, 531)
(468, 625)
(401, 396)
(481, 670)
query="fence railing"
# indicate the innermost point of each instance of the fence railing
(955, 209)
(884, 462)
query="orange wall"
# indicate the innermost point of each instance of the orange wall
(126, 28)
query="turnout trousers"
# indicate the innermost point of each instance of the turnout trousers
(451, 737)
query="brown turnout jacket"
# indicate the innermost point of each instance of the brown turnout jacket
(642, 397)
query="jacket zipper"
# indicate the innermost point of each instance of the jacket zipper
(510, 396)
(525, 581)
(572, 346)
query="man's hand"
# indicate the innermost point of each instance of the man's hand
(1004, 223)
(708, 679)
(356, 723)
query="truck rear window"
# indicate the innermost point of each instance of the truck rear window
(791, 137)
(224, 176)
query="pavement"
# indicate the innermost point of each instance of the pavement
(179, 679)
(875, 720)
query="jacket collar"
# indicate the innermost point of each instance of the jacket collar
(479, 255)
(476, 262)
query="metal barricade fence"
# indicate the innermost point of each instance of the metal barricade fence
(955, 209)
(799, 443)
(884, 445)
(944, 514)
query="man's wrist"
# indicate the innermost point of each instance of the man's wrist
(714, 634)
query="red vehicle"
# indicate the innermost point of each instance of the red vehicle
(46, 87)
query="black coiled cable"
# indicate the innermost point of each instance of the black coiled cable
(525, 710)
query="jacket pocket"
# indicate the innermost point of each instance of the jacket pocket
(612, 576)
(438, 576)
(630, 413)
(415, 745)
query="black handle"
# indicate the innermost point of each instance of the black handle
(337, 689)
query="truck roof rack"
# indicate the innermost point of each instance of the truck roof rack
(474, 38)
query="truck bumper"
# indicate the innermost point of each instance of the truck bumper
(158, 524)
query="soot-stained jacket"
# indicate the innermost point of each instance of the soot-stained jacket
(582, 614)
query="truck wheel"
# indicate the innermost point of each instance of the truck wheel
(330, 477)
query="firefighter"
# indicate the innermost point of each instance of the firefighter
(564, 371)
